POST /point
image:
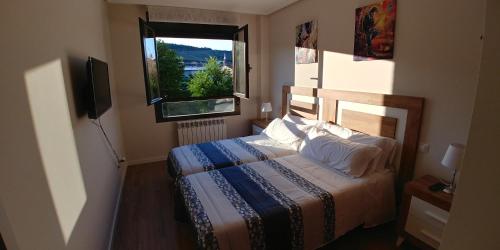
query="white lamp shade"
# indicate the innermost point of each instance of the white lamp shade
(266, 107)
(454, 155)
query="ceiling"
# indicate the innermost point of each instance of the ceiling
(260, 7)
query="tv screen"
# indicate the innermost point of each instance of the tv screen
(99, 92)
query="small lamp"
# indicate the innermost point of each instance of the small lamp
(266, 108)
(453, 160)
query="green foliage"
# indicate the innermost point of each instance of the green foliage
(171, 70)
(211, 81)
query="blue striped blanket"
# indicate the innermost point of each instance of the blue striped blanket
(261, 205)
(207, 156)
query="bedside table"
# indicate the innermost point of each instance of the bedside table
(258, 125)
(423, 214)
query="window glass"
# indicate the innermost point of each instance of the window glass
(197, 107)
(191, 67)
(150, 63)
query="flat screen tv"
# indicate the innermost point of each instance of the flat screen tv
(99, 100)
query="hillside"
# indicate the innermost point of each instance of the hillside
(195, 55)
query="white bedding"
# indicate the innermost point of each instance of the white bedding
(367, 200)
(190, 159)
(224, 218)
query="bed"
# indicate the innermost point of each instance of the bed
(295, 202)
(286, 203)
(194, 158)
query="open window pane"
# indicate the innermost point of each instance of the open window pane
(150, 63)
(198, 107)
(241, 66)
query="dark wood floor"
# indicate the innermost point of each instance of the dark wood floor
(146, 218)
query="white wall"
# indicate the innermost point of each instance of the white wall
(58, 180)
(145, 140)
(473, 222)
(437, 53)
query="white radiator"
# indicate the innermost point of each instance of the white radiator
(199, 131)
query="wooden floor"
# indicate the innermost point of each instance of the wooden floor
(146, 218)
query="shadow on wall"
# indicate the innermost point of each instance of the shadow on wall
(79, 80)
(2, 244)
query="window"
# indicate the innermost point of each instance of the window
(194, 70)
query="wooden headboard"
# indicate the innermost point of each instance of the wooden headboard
(368, 123)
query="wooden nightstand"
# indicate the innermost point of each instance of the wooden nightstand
(258, 125)
(423, 214)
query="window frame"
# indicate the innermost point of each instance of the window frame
(195, 31)
(160, 118)
(236, 37)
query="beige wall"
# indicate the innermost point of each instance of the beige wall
(437, 53)
(474, 217)
(58, 180)
(145, 140)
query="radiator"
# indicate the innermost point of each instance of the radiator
(199, 131)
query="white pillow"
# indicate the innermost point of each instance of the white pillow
(300, 120)
(387, 145)
(349, 157)
(298, 129)
(337, 130)
(279, 131)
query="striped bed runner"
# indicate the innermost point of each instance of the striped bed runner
(207, 156)
(266, 207)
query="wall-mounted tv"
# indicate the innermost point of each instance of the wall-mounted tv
(99, 95)
(150, 63)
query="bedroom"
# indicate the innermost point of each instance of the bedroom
(59, 183)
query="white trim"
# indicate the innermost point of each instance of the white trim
(400, 114)
(147, 160)
(117, 209)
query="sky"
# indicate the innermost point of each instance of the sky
(201, 43)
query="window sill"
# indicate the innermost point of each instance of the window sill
(193, 117)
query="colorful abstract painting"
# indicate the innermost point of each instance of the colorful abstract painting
(306, 43)
(375, 28)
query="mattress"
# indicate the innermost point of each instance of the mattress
(290, 202)
(194, 158)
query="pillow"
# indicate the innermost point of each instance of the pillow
(387, 145)
(337, 130)
(300, 120)
(279, 131)
(349, 157)
(299, 125)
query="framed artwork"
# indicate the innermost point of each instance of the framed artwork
(374, 32)
(306, 43)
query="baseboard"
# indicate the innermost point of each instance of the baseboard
(116, 210)
(147, 160)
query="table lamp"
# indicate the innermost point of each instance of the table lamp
(453, 160)
(266, 108)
